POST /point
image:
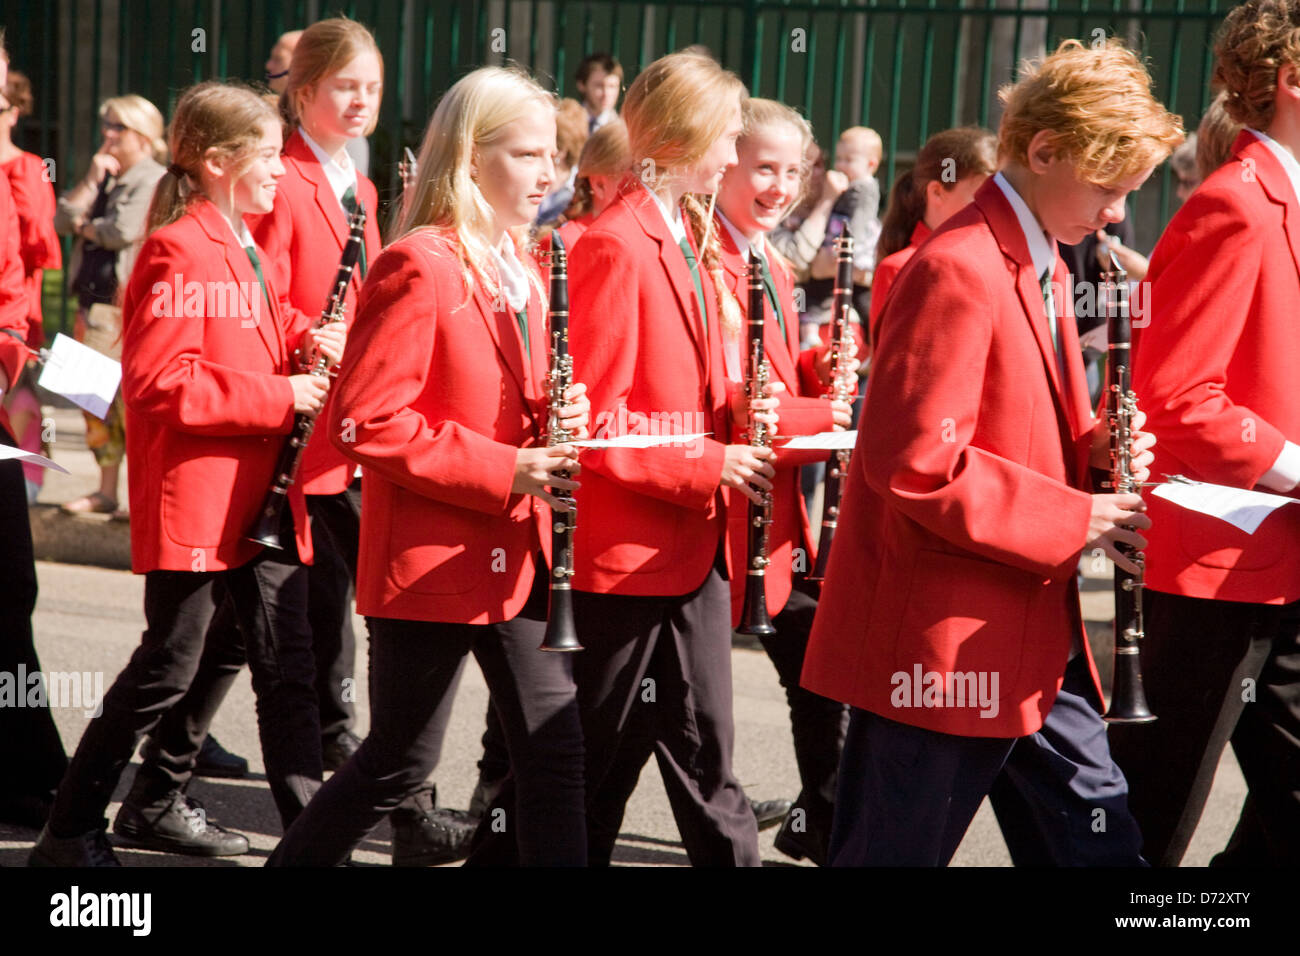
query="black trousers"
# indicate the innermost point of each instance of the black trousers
(907, 795)
(659, 668)
(336, 523)
(30, 749)
(1216, 671)
(269, 599)
(415, 667)
(817, 723)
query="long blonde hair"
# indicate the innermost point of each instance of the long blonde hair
(474, 113)
(325, 47)
(222, 116)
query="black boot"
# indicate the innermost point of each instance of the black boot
(425, 834)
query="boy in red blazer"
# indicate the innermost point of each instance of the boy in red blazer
(1215, 368)
(969, 502)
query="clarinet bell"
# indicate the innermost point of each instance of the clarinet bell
(561, 633)
(266, 531)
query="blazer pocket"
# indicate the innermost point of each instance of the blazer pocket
(435, 550)
(964, 615)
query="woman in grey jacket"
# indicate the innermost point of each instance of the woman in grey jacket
(106, 213)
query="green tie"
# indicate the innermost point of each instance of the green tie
(349, 202)
(695, 275)
(770, 286)
(1049, 307)
(522, 316)
(257, 268)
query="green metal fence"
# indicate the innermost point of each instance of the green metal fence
(905, 68)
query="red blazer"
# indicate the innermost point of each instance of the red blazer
(966, 505)
(887, 271)
(435, 398)
(39, 243)
(13, 294)
(650, 520)
(208, 403)
(803, 412)
(304, 235)
(1215, 366)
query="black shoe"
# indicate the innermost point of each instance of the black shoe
(29, 810)
(88, 849)
(770, 813)
(336, 751)
(484, 793)
(805, 841)
(176, 824)
(426, 835)
(215, 761)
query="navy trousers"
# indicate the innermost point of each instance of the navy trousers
(906, 795)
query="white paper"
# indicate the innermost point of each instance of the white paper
(81, 375)
(831, 441)
(1237, 506)
(638, 441)
(30, 456)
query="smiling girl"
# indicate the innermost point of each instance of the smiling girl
(209, 399)
(442, 400)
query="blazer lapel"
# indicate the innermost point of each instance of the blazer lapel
(326, 202)
(1276, 184)
(261, 309)
(781, 350)
(504, 329)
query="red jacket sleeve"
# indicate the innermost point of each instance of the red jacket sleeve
(165, 375)
(1205, 266)
(924, 402)
(385, 374)
(605, 285)
(13, 292)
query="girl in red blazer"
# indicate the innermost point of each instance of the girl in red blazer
(949, 618)
(651, 594)
(950, 167)
(331, 98)
(442, 400)
(210, 398)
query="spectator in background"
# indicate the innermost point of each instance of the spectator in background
(600, 81)
(1183, 163)
(106, 212)
(1214, 137)
(39, 247)
(570, 136)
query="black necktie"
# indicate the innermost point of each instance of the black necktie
(350, 205)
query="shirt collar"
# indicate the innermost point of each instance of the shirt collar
(672, 217)
(241, 234)
(340, 175)
(742, 244)
(1041, 250)
(1289, 163)
(513, 276)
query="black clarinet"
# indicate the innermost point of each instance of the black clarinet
(754, 619)
(1128, 702)
(561, 634)
(267, 529)
(844, 387)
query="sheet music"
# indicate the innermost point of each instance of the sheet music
(638, 441)
(831, 441)
(1239, 507)
(81, 375)
(7, 453)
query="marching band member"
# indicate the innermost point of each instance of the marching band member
(442, 401)
(969, 502)
(754, 196)
(951, 166)
(1215, 363)
(332, 96)
(651, 597)
(210, 398)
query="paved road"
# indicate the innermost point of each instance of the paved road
(89, 619)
